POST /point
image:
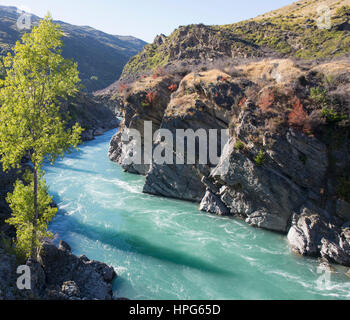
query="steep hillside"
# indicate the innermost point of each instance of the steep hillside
(101, 57)
(289, 32)
(281, 86)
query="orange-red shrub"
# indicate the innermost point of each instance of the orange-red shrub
(173, 87)
(242, 102)
(266, 100)
(298, 117)
(150, 97)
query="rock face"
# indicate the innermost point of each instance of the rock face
(312, 235)
(213, 204)
(59, 275)
(72, 276)
(203, 101)
(8, 289)
(145, 102)
(92, 113)
(284, 152)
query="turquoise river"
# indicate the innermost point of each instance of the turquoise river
(167, 249)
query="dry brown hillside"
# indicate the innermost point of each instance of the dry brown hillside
(304, 8)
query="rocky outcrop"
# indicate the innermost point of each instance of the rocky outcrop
(288, 32)
(213, 204)
(58, 275)
(8, 289)
(288, 146)
(70, 276)
(203, 101)
(314, 235)
(145, 101)
(92, 113)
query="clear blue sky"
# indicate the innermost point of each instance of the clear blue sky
(145, 19)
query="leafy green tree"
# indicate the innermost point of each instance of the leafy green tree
(23, 214)
(37, 78)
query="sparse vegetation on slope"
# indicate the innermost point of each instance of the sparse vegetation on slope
(101, 57)
(291, 32)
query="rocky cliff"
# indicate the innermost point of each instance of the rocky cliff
(288, 150)
(93, 114)
(289, 122)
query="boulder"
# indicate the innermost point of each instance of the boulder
(93, 278)
(312, 235)
(213, 204)
(64, 246)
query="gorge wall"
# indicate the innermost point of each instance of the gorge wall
(281, 85)
(288, 150)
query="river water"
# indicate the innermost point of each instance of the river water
(167, 249)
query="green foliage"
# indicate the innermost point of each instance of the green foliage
(151, 58)
(21, 202)
(260, 158)
(144, 104)
(37, 78)
(319, 96)
(239, 145)
(332, 116)
(342, 11)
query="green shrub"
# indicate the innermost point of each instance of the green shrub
(332, 116)
(144, 104)
(260, 158)
(319, 96)
(342, 11)
(239, 145)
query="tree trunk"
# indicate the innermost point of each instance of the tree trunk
(36, 215)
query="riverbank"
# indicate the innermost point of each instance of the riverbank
(57, 274)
